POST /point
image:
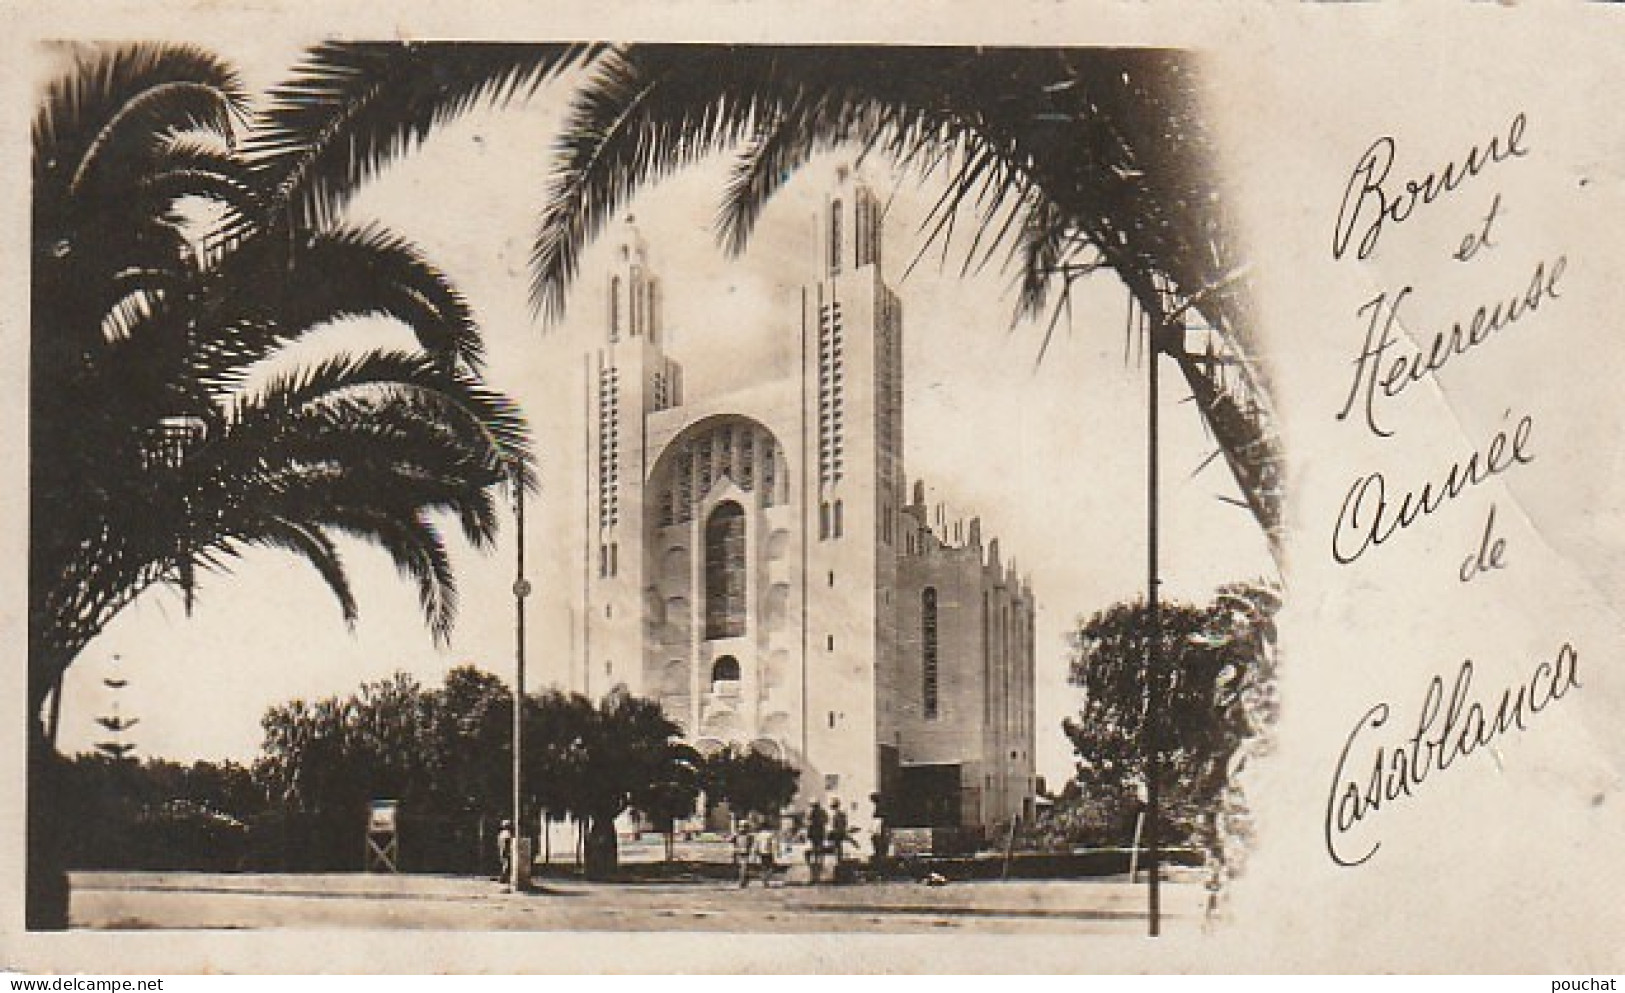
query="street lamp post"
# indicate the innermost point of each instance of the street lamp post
(1151, 739)
(520, 856)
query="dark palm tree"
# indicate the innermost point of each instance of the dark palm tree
(1075, 160)
(117, 144)
(168, 431)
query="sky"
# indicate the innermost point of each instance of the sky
(1049, 453)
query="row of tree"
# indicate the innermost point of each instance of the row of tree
(124, 813)
(444, 753)
(449, 750)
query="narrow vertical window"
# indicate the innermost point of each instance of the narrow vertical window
(835, 238)
(823, 520)
(865, 229)
(685, 485)
(728, 454)
(928, 650)
(725, 572)
(615, 309)
(636, 301)
(769, 474)
(836, 527)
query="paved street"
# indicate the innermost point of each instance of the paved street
(133, 900)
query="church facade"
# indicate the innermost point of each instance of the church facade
(756, 562)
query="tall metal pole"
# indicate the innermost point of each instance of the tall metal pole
(1152, 731)
(521, 589)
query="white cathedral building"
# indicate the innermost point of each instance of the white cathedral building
(756, 562)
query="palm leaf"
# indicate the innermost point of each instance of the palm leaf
(454, 398)
(263, 296)
(414, 545)
(185, 167)
(118, 102)
(314, 546)
(351, 107)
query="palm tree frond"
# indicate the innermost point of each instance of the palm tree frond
(313, 545)
(414, 545)
(163, 88)
(270, 296)
(348, 389)
(351, 107)
(636, 119)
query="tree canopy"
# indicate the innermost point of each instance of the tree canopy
(449, 750)
(749, 782)
(1211, 704)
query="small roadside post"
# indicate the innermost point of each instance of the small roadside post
(383, 852)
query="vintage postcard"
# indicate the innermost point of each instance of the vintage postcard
(1069, 487)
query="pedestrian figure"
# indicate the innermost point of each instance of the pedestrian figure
(744, 842)
(767, 851)
(505, 852)
(839, 832)
(880, 840)
(817, 835)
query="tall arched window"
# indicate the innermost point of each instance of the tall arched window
(928, 650)
(725, 572)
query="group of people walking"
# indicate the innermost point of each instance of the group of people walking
(761, 845)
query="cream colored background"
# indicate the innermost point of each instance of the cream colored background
(1513, 862)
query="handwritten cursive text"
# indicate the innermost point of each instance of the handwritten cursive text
(1367, 204)
(1373, 382)
(1368, 519)
(1365, 783)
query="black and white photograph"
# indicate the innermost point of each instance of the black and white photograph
(1142, 499)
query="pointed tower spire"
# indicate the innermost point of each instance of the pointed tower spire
(634, 290)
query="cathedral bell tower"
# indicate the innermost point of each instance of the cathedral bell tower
(628, 377)
(853, 390)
